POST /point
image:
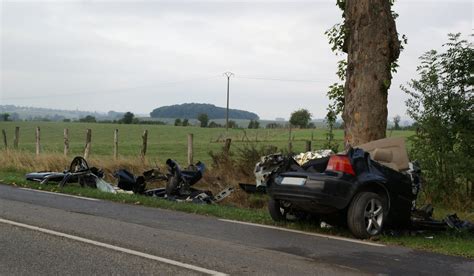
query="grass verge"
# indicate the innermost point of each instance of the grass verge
(448, 242)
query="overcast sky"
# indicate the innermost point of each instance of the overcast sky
(136, 56)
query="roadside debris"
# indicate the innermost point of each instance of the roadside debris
(455, 223)
(252, 188)
(79, 172)
(178, 181)
(422, 219)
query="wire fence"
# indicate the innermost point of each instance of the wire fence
(115, 141)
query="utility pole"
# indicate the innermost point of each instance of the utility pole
(228, 75)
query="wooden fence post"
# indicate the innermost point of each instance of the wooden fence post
(190, 148)
(145, 139)
(16, 138)
(5, 138)
(290, 147)
(228, 141)
(312, 135)
(66, 141)
(116, 144)
(38, 141)
(308, 146)
(87, 148)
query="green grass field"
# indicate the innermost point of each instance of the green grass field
(163, 141)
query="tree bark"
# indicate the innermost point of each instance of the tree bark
(372, 45)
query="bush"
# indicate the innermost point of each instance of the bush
(88, 119)
(185, 122)
(203, 119)
(213, 124)
(274, 125)
(254, 124)
(300, 118)
(232, 124)
(441, 103)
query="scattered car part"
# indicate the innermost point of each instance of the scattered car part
(104, 186)
(252, 188)
(178, 186)
(223, 194)
(422, 219)
(128, 182)
(79, 171)
(454, 222)
(179, 183)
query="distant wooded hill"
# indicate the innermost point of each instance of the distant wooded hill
(25, 113)
(192, 110)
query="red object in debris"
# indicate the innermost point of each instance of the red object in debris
(340, 163)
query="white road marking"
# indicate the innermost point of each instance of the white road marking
(60, 194)
(305, 233)
(113, 247)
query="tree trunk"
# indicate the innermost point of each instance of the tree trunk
(372, 45)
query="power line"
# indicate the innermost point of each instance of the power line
(279, 79)
(108, 91)
(164, 84)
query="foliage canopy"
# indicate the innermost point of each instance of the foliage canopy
(203, 119)
(300, 118)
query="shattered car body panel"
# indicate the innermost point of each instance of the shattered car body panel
(180, 181)
(277, 162)
(45, 177)
(267, 166)
(304, 157)
(79, 171)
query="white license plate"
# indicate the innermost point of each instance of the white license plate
(293, 181)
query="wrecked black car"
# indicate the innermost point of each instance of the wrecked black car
(372, 186)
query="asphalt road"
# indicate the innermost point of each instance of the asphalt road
(48, 234)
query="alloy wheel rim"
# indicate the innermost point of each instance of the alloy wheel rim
(373, 216)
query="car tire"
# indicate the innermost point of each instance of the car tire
(276, 211)
(366, 215)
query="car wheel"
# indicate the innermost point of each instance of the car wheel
(277, 210)
(366, 215)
